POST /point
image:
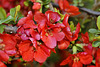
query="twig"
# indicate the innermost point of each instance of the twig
(51, 7)
(91, 12)
(10, 29)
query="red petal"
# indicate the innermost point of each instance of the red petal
(3, 56)
(45, 49)
(65, 21)
(66, 61)
(29, 16)
(58, 34)
(50, 41)
(68, 33)
(77, 29)
(40, 19)
(8, 39)
(28, 55)
(21, 21)
(36, 6)
(2, 64)
(52, 17)
(40, 56)
(11, 52)
(63, 44)
(85, 58)
(29, 24)
(77, 64)
(35, 34)
(85, 37)
(24, 37)
(63, 4)
(24, 46)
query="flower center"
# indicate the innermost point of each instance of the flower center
(48, 32)
(76, 59)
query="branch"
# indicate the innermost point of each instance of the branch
(10, 29)
(51, 7)
(90, 12)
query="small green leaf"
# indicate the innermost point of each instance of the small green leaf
(2, 13)
(98, 22)
(79, 45)
(7, 20)
(96, 44)
(74, 49)
(45, 2)
(18, 8)
(93, 30)
(12, 12)
(26, 3)
(2, 28)
(72, 25)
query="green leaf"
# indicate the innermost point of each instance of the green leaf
(96, 44)
(45, 2)
(79, 45)
(26, 3)
(72, 25)
(93, 30)
(2, 28)
(2, 13)
(98, 22)
(7, 20)
(12, 12)
(18, 8)
(74, 49)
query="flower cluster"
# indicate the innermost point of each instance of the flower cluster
(39, 33)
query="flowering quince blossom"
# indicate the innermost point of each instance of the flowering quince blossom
(65, 7)
(7, 40)
(51, 32)
(29, 52)
(87, 47)
(69, 35)
(32, 47)
(76, 60)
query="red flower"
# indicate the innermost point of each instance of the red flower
(30, 52)
(52, 17)
(6, 41)
(51, 36)
(87, 45)
(71, 10)
(78, 60)
(71, 36)
(7, 47)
